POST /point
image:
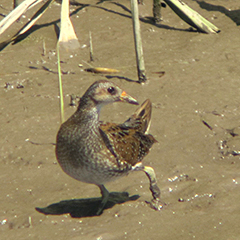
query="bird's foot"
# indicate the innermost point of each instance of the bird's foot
(156, 204)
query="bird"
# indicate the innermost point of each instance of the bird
(95, 152)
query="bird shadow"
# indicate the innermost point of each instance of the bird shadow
(234, 15)
(86, 207)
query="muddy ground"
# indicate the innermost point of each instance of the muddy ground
(195, 119)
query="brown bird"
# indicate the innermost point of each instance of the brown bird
(94, 152)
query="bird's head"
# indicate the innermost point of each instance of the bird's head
(103, 92)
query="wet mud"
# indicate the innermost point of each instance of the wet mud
(193, 83)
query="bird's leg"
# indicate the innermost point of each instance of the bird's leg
(153, 182)
(155, 203)
(105, 196)
(153, 188)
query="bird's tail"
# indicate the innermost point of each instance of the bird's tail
(141, 119)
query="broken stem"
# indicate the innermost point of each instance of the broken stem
(60, 85)
(138, 42)
(91, 46)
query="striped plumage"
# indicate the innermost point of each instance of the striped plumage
(95, 152)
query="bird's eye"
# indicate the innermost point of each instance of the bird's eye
(112, 90)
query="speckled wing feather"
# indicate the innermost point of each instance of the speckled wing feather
(141, 119)
(128, 141)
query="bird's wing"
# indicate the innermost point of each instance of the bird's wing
(141, 119)
(127, 141)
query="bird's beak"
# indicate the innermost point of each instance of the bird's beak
(127, 98)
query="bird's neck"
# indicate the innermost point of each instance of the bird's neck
(87, 113)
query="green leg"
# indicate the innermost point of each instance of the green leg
(153, 188)
(155, 203)
(105, 196)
